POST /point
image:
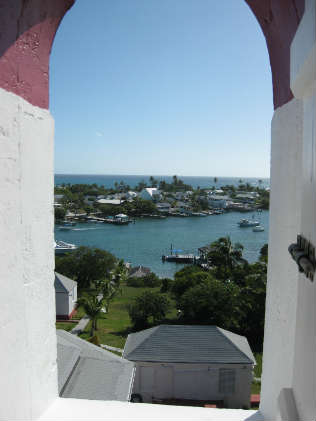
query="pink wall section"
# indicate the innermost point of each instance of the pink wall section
(279, 20)
(27, 31)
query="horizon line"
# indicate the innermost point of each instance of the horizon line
(161, 175)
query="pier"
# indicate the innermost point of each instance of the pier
(180, 258)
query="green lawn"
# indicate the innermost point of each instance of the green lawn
(65, 326)
(256, 386)
(258, 367)
(114, 327)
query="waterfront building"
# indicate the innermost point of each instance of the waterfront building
(163, 207)
(150, 193)
(139, 271)
(218, 202)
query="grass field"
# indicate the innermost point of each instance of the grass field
(65, 326)
(114, 327)
(256, 386)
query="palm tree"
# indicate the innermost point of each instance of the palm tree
(224, 252)
(153, 181)
(93, 307)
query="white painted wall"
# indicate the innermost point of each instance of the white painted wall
(28, 381)
(285, 205)
(290, 330)
(303, 83)
(191, 381)
(63, 302)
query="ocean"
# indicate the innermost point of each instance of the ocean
(144, 242)
(132, 180)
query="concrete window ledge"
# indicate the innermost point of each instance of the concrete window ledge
(79, 409)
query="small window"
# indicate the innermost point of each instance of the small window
(226, 381)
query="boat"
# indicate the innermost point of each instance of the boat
(61, 247)
(248, 223)
(258, 228)
(69, 224)
(64, 228)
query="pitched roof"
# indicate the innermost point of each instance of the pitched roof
(86, 371)
(110, 201)
(62, 283)
(152, 190)
(139, 271)
(188, 344)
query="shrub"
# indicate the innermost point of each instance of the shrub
(149, 307)
(150, 281)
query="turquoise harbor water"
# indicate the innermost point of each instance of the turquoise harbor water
(144, 242)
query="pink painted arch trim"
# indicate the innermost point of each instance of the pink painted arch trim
(27, 31)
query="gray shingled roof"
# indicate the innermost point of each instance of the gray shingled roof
(62, 283)
(188, 344)
(86, 371)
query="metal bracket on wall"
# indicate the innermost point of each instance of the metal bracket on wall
(303, 252)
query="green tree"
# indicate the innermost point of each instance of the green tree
(107, 289)
(225, 254)
(85, 265)
(153, 181)
(93, 307)
(263, 257)
(60, 214)
(166, 285)
(150, 281)
(185, 279)
(141, 206)
(148, 308)
(252, 304)
(211, 302)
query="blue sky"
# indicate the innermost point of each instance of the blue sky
(161, 87)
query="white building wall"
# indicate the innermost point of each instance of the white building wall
(72, 300)
(145, 195)
(27, 356)
(290, 330)
(62, 304)
(285, 204)
(191, 381)
(303, 83)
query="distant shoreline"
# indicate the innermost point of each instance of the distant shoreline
(109, 180)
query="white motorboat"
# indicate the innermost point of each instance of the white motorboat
(248, 223)
(61, 247)
(258, 228)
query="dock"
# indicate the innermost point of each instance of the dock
(180, 258)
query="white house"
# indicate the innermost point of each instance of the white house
(163, 206)
(66, 296)
(192, 363)
(131, 195)
(219, 202)
(150, 193)
(114, 202)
